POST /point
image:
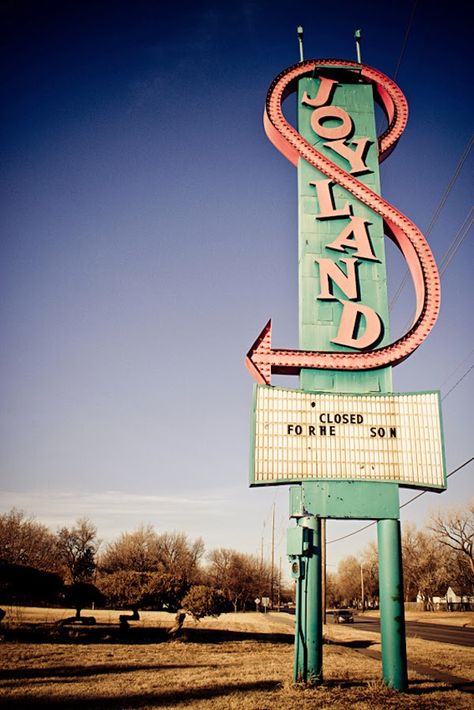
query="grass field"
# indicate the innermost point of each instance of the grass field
(236, 661)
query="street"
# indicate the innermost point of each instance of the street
(430, 632)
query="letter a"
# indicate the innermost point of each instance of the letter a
(355, 236)
(349, 325)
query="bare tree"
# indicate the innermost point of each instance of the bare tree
(455, 530)
(77, 548)
(24, 541)
(144, 569)
(133, 551)
(144, 550)
(425, 565)
(332, 591)
(176, 555)
(370, 573)
(125, 589)
(242, 578)
(348, 581)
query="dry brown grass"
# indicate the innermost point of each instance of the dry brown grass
(447, 658)
(234, 662)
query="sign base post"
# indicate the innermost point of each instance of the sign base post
(392, 612)
(310, 639)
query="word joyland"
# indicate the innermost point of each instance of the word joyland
(354, 235)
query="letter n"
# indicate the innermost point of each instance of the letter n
(330, 273)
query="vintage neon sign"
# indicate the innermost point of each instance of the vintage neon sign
(360, 326)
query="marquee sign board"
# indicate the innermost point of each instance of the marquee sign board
(308, 436)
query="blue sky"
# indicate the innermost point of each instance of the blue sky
(149, 231)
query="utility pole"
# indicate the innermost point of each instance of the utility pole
(273, 556)
(323, 568)
(262, 581)
(279, 586)
(362, 592)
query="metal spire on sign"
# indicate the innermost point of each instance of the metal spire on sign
(357, 39)
(299, 32)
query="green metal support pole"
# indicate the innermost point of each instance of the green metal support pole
(314, 627)
(310, 650)
(392, 613)
(298, 633)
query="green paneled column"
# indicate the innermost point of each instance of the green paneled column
(392, 612)
(319, 321)
(308, 644)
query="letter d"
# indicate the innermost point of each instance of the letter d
(348, 327)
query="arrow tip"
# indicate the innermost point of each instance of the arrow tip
(258, 360)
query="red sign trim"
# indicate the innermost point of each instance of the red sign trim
(398, 227)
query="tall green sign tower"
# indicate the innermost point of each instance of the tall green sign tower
(344, 440)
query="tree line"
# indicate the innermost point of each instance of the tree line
(139, 570)
(145, 569)
(437, 557)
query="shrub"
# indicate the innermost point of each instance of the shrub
(203, 601)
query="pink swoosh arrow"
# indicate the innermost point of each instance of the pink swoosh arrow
(262, 360)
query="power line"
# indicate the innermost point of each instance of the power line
(369, 525)
(456, 243)
(457, 368)
(449, 254)
(448, 476)
(405, 39)
(437, 212)
(402, 51)
(458, 382)
(450, 185)
(344, 537)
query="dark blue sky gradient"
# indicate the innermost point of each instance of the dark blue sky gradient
(149, 231)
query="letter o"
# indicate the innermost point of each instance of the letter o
(334, 132)
(298, 429)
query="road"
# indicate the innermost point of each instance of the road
(430, 632)
(458, 635)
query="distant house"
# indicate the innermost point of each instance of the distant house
(453, 600)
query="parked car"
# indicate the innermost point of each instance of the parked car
(343, 616)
